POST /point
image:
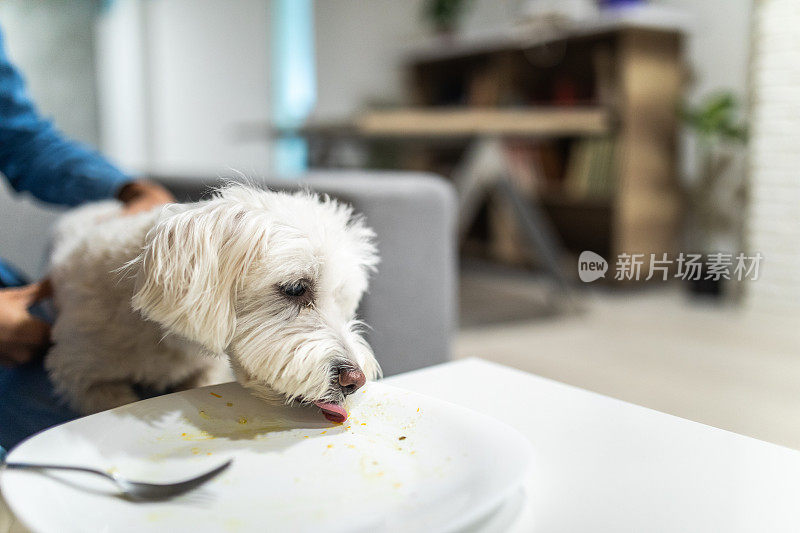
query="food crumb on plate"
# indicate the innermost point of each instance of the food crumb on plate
(215, 394)
(229, 404)
(402, 438)
(204, 415)
(242, 420)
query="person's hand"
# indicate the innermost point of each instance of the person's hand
(22, 335)
(139, 196)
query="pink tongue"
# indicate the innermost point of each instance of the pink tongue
(332, 411)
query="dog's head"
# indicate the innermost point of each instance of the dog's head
(273, 280)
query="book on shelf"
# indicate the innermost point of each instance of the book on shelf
(590, 168)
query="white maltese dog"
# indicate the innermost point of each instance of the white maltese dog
(262, 282)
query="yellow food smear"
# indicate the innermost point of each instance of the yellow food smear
(229, 404)
(323, 432)
(195, 450)
(242, 420)
(203, 435)
(156, 516)
(215, 394)
(330, 445)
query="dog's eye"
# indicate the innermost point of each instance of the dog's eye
(294, 289)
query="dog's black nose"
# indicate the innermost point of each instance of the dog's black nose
(351, 380)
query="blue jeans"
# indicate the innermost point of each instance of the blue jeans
(27, 401)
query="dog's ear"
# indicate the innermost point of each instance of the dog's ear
(190, 269)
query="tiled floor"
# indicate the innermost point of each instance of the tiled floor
(716, 365)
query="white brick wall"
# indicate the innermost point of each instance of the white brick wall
(773, 224)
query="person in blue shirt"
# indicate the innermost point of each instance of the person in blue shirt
(36, 158)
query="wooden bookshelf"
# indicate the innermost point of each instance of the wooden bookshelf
(618, 84)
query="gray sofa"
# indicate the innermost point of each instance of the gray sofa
(411, 304)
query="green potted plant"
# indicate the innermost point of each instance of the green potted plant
(715, 196)
(444, 15)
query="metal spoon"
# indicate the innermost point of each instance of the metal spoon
(135, 490)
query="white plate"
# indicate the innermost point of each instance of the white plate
(401, 462)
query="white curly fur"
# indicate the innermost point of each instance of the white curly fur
(174, 297)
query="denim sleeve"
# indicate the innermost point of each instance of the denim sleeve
(35, 157)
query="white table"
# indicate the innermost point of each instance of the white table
(603, 465)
